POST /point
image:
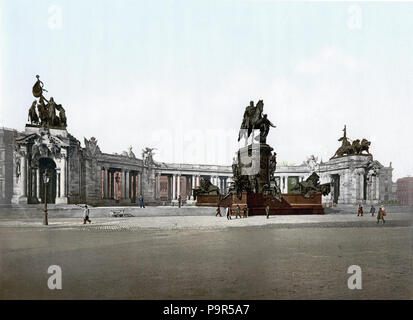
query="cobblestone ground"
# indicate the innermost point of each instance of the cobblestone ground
(206, 222)
(204, 257)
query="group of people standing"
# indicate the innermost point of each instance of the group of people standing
(228, 212)
(380, 214)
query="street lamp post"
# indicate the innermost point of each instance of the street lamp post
(45, 182)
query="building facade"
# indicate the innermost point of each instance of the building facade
(354, 179)
(405, 191)
(6, 165)
(86, 175)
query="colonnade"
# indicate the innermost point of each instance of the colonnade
(120, 184)
(177, 181)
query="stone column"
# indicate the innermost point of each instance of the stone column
(173, 187)
(58, 183)
(62, 181)
(24, 176)
(358, 186)
(158, 187)
(123, 191)
(368, 188)
(139, 184)
(284, 180)
(378, 188)
(38, 183)
(373, 188)
(127, 191)
(192, 186)
(110, 194)
(362, 186)
(105, 183)
(63, 175)
(179, 186)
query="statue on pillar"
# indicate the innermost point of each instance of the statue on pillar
(349, 148)
(46, 112)
(51, 107)
(43, 112)
(33, 117)
(251, 120)
(264, 125)
(62, 116)
(38, 88)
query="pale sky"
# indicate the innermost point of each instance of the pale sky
(177, 75)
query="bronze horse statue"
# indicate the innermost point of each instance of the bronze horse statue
(355, 148)
(311, 186)
(251, 118)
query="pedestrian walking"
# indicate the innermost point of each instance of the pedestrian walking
(141, 201)
(267, 211)
(245, 212)
(86, 215)
(238, 212)
(218, 212)
(179, 201)
(360, 211)
(228, 213)
(381, 214)
(372, 210)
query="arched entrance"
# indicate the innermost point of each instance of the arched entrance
(49, 165)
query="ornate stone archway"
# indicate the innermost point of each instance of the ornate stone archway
(47, 165)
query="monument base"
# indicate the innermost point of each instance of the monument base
(61, 200)
(290, 204)
(19, 200)
(208, 200)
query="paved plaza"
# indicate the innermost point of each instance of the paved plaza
(188, 253)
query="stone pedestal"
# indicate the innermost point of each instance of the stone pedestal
(254, 161)
(289, 204)
(208, 200)
(147, 184)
